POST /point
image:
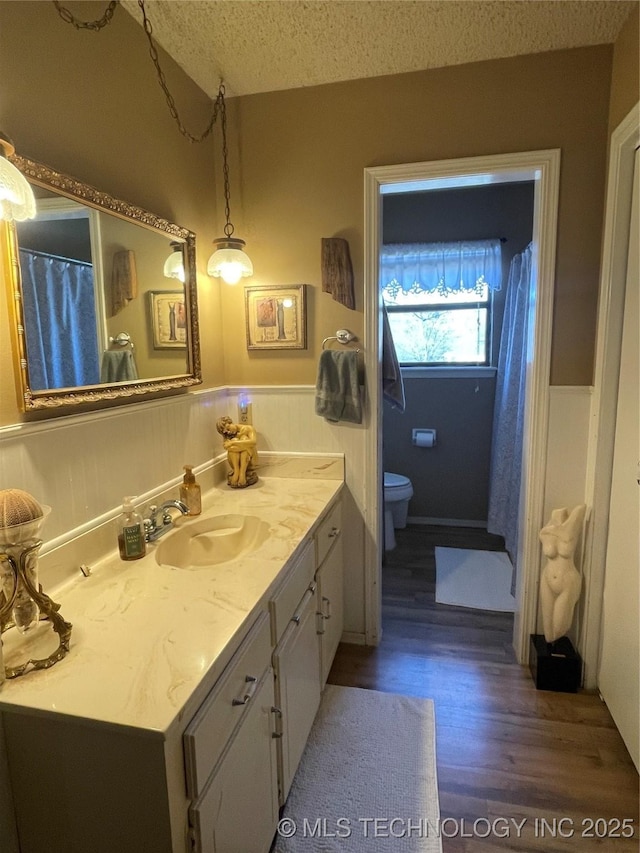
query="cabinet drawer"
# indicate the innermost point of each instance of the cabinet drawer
(207, 734)
(326, 535)
(286, 599)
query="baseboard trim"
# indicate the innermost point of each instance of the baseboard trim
(353, 638)
(446, 522)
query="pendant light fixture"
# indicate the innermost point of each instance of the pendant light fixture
(229, 261)
(174, 265)
(16, 195)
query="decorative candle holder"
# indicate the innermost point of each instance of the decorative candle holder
(23, 604)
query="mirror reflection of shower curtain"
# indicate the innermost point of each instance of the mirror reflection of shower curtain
(60, 321)
(509, 409)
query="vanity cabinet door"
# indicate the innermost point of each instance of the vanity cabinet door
(238, 809)
(330, 606)
(297, 678)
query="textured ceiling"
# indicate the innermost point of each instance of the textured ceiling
(266, 45)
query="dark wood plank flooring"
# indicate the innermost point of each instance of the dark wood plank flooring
(505, 751)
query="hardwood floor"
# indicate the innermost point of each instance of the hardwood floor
(506, 752)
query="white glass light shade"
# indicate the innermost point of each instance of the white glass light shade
(229, 262)
(174, 265)
(16, 196)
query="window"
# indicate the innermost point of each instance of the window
(438, 299)
(431, 328)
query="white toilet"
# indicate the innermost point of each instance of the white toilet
(397, 493)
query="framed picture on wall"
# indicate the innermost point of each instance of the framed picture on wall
(276, 317)
(168, 319)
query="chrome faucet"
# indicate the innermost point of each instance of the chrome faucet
(160, 519)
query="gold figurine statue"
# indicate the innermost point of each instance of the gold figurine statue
(240, 444)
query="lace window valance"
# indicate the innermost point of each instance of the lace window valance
(442, 267)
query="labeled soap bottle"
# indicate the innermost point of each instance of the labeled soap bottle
(131, 541)
(190, 491)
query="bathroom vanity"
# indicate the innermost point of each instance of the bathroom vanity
(177, 721)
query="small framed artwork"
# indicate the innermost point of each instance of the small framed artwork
(276, 317)
(168, 319)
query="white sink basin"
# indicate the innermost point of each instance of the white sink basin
(212, 541)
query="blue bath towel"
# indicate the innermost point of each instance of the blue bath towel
(337, 386)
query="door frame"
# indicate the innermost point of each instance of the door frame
(615, 247)
(543, 168)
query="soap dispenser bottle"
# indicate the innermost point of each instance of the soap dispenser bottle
(190, 491)
(131, 541)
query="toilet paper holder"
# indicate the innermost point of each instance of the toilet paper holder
(423, 437)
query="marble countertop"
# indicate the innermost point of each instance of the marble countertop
(149, 641)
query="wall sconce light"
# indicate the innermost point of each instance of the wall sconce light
(174, 265)
(229, 262)
(17, 200)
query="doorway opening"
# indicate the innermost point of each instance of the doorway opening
(451, 277)
(542, 169)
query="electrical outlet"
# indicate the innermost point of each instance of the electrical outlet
(244, 413)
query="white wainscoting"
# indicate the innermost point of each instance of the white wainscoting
(83, 465)
(568, 466)
(568, 448)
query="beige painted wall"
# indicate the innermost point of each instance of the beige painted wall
(89, 104)
(303, 153)
(625, 76)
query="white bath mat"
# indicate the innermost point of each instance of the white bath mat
(367, 779)
(477, 579)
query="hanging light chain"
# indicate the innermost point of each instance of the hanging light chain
(228, 228)
(153, 52)
(219, 107)
(67, 16)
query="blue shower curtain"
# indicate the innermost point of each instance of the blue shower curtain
(509, 409)
(60, 321)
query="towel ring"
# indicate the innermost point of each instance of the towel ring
(123, 339)
(343, 336)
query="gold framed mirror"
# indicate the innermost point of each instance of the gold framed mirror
(104, 296)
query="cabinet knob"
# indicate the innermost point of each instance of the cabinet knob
(333, 532)
(252, 681)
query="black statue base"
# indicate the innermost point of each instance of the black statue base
(555, 666)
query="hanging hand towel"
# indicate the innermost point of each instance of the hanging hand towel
(118, 366)
(337, 387)
(392, 384)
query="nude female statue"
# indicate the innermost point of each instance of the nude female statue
(560, 582)
(240, 444)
